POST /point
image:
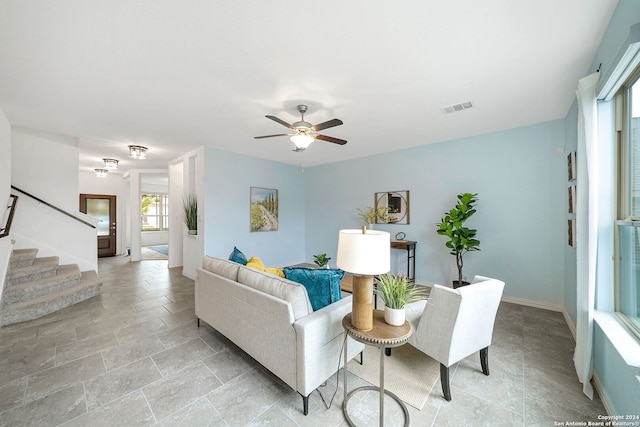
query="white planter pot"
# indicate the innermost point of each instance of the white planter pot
(394, 316)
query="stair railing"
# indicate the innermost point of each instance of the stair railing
(53, 207)
(6, 230)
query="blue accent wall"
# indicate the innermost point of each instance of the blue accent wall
(570, 272)
(228, 178)
(619, 380)
(520, 220)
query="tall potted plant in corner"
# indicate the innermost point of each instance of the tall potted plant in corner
(190, 205)
(461, 239)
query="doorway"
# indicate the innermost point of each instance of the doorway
(102, 207)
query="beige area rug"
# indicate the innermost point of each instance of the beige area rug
(408, 373)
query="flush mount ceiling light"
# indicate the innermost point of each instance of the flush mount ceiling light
(138, 152)
(101, 173)
(110, 163)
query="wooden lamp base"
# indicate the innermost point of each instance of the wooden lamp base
(362, 303)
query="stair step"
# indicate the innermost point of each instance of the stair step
(89, 286)
(66, 276)
(22, 257)
(41, 268)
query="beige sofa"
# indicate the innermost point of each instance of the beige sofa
(271, 319)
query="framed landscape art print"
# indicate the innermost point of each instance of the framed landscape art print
(263, 209)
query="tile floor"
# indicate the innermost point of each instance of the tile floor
(134, 357)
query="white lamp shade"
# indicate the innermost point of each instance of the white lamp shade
(364, 253)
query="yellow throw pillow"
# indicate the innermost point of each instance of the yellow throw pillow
(277, 271)
(255, 262)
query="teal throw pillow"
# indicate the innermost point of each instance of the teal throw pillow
(322, 284)
(238, 256)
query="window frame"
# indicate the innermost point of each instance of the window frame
(623, 198)
(162, 215)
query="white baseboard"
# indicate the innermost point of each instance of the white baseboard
(606, 400)
(544, 306)
(570, 324)
(531, 303)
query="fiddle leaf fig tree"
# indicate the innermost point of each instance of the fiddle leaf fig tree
(461, 239)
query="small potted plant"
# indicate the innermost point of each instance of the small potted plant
(397, 291)
(321, 260)
(461, 239)
(190, 205)
(374, 215)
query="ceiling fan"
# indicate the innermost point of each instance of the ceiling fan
(305, 133)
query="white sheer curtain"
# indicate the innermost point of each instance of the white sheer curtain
(586, 228)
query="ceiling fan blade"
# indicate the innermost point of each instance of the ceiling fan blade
(282, 122)
(270, 136)
(331, 139)
(329, 124)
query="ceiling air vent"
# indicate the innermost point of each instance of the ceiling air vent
(457, 107)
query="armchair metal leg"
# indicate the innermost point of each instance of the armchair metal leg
(387, 351)
(361, 358)
(198, 322)
(305, 404)
(444, 380)
(484, 360)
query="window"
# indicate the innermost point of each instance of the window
(627, 111)
(155, 212)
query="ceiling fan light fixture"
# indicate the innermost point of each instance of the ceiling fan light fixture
(110, 163)
(302, 140)
(138, 152)
(101, 173)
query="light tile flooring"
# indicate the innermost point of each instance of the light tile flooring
(134, 356)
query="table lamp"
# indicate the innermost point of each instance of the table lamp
(364, 253)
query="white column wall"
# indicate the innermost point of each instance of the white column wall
(5, 190)
(176, 227)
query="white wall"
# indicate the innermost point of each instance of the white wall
(154, 238)
(194, 164)
(5, 190)
(46, 166)
(176, 226)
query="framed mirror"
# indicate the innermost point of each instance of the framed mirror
(398, 204)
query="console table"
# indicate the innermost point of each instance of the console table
(384, 336)
(410, 247)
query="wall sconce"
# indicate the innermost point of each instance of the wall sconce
(101, 173)
(110, 163)
(138, 152)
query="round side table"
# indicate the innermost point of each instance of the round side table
(383, 336)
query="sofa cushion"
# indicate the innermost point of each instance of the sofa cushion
(323, 284)
(292, 292)
(221, 267)
(237, 256)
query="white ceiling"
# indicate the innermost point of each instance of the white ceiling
(174, 75)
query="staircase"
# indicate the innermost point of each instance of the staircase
(35, 287)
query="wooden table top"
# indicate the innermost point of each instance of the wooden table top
(382, 333)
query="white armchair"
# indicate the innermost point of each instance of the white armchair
(455, 323)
